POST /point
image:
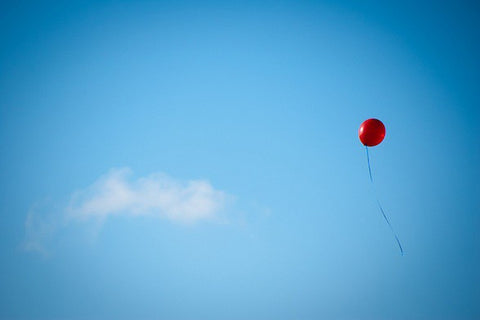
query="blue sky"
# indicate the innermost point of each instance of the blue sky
(186, 160)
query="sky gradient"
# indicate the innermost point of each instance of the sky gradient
(200, 160)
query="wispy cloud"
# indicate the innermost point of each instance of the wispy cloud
(155, 194)
(40, 226)
(117, 193)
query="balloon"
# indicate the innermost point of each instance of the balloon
(371, 132)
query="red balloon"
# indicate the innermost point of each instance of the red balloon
(371, 132)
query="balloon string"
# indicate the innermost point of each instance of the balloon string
(368, 161)
(380, 205)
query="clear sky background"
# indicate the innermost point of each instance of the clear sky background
(252, 111)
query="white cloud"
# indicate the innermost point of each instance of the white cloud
(156, 195)
(43, 220)
(116, 193)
